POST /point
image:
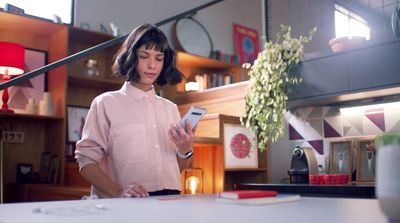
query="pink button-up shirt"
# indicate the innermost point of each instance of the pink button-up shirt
(126, 134)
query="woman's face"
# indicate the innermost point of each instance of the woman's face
(149, 66)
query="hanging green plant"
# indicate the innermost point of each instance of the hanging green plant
(269, 84)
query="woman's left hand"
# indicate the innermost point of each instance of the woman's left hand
(182, 139)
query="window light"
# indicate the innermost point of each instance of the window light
(44, 8)
(349, 24)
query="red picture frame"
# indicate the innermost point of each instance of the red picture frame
(246, 43)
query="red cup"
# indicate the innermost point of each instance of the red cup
(321, 179)
(313, 179)
(329, 179)
(337, 178)
(345, 178)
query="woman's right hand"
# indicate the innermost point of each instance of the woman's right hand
(134, 190)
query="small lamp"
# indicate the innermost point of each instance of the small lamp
(11, 64)
(193, 181)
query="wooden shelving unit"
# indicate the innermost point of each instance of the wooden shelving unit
(41, 133)
(68, 85)
(192, 65)
(224, 103)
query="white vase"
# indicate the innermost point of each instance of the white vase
(46, 105)
(31, 107)
(388, 180)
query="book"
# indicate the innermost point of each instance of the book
(244, 194)
(281, 198)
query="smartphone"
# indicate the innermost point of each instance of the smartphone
(193, 115)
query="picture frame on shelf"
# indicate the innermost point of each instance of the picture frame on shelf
(33, 88)
(53, 169)
(76, 116)
(14, 9)
(341, 157)
(366, 160)
(44, 166)
(24, 170)
(240, 149)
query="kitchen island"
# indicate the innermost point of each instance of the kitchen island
(193, 208)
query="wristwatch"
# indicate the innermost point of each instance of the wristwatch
(185, 156)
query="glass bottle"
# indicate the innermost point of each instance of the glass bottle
(92, 69)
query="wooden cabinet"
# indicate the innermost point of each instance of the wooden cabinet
(47, 192)
(352, 75)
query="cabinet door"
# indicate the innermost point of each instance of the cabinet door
(322, 76)
(374, 67)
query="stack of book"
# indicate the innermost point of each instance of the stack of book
(225, 57)
(207, 81)
(254, 197)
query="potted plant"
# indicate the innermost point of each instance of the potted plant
(388, 174)
(269, 84)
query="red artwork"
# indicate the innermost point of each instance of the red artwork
(240, 146)
(246, 43)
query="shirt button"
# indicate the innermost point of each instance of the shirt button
(159, 167)
(157, 146)
(154, 126)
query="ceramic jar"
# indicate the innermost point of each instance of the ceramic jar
(46, 106)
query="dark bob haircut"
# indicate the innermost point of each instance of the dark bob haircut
(126, 59)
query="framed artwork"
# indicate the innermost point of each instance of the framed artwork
(53, 169)
(246, 43)
(366, 160)
(32, 88)
(76, 117)
(44, 166)
(240, 151)
(14, 9)
(341, 157)
(23, 172)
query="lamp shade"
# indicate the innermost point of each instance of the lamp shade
(11, 58)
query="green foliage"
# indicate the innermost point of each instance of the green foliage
(269, 82)
(387, 139)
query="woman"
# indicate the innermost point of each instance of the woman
(132, 144)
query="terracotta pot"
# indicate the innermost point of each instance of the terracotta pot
(388, 180)
(344, 43)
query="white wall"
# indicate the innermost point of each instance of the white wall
(128, 14)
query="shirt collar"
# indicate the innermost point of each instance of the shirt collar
(137, 93)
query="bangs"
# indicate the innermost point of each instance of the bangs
(153, 40)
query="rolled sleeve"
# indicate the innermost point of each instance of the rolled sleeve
(92, 148)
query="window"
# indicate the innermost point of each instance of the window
(350, 24)
(44, 8)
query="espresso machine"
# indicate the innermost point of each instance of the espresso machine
(302, 164)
